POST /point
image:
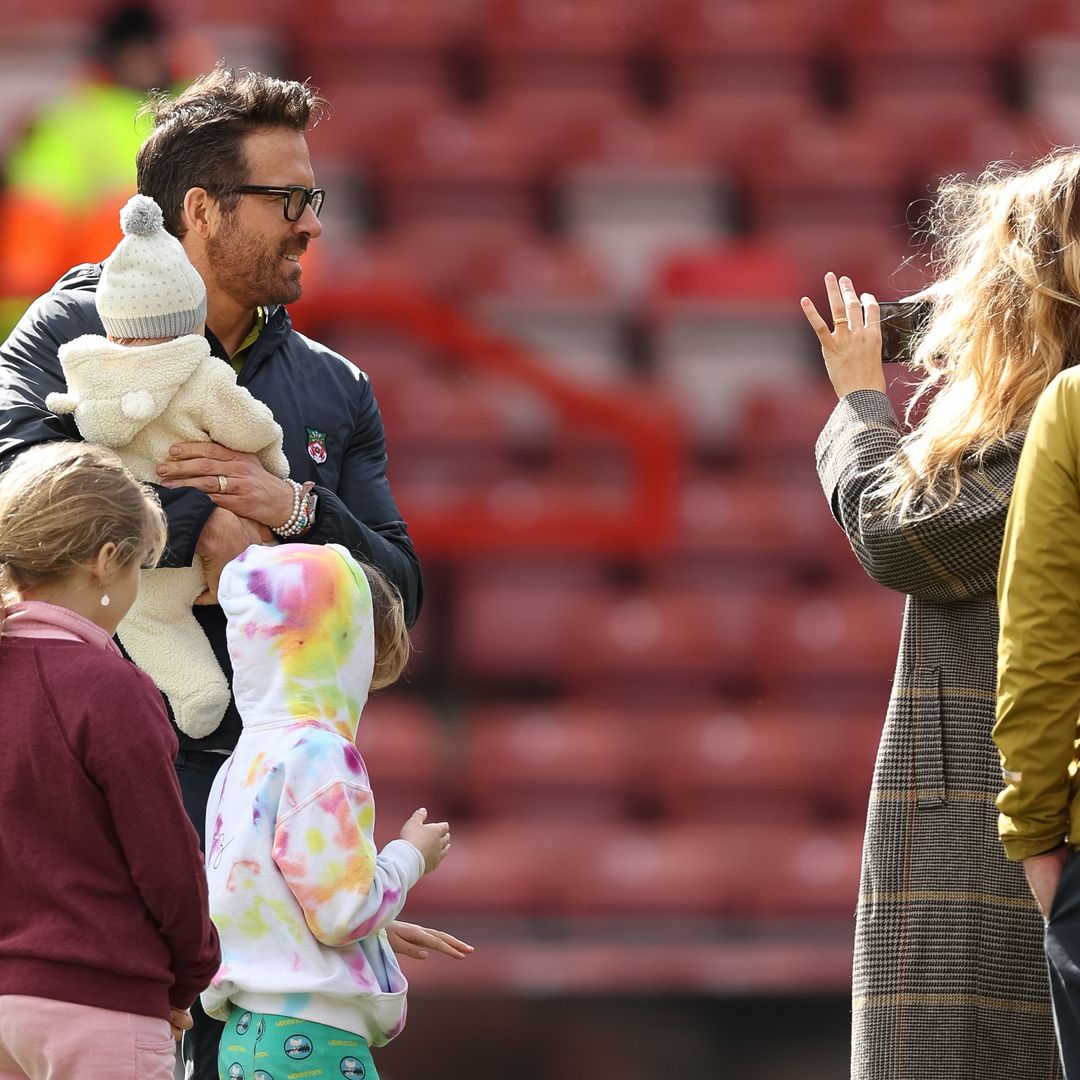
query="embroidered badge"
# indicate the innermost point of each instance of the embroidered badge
(316, 445)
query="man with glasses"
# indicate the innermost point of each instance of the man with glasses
(228, 163)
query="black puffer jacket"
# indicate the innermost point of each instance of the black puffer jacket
(312, 392)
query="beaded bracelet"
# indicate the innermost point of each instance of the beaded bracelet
(303, 512)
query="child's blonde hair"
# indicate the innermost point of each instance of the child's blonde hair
(1005, 322)
(392, 646)
(61, 502)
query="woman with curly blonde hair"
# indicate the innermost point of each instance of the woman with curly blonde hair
(949, 977)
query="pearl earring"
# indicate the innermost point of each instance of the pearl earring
(105, 601)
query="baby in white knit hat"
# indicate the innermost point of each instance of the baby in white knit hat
(151, 383)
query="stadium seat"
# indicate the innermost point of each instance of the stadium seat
(637, 188)
(558, 44)
(563, 761)
(717, 45)
(810, 639)
(399, 741)
(679, 635)
(558, 299)
(771, 524)
(832, 172)
(711, 356)
(768, 761)
(461, 166)
(677, 869)
(366, 111)
(503, 869)
(405, 42)
(926, 47)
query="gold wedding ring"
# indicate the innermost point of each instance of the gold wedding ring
(840, 319)
(222, 484)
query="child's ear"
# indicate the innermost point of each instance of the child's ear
(104, 564)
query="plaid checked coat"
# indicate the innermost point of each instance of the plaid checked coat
(949, 978)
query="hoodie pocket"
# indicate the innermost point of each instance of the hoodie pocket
(928, 740)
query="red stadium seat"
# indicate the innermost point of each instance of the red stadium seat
(467, 167)
(562, 762)
(711, 356)
(558, 44)
(400, 41)
(924, 47)
(556, 298)
(768, 762)
(711, 870)
(682, 635)
(717, 45)
(635, 870)
(826, 637)
(836, 173)
(738, 271)
(366, 112)
(399, 740)
(757, 522)
(494, 868)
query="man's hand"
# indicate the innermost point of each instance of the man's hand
(223, 537)
(1043, 873)
(180, 1021)
(250, 491)
(408, 939)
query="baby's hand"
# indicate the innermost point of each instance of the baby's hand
(432, 840)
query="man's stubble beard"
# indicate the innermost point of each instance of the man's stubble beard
(249, 269)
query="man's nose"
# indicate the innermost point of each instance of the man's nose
(308, 223)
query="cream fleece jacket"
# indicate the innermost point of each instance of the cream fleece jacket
(140, 400)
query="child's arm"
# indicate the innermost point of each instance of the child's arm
(159, 843)
(325, 850)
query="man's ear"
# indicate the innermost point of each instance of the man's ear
(197, 210)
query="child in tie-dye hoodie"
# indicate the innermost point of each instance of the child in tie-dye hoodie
(297, 891)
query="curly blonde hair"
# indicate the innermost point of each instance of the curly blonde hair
(1004, 322)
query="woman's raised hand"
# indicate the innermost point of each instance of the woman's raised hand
(852, 346)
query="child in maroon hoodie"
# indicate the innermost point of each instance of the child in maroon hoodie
(105, 940)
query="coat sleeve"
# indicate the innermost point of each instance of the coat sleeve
(30, 370)
(1039, 599)
(325, 850)
(361, 514)
(160, 844)
(948, 557)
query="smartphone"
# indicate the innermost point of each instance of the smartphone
(901, 323)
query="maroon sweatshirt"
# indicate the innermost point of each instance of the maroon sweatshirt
(102, 888)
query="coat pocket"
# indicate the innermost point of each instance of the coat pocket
(928, 740)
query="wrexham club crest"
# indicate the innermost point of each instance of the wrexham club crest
(316, 445)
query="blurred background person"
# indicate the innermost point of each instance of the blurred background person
(68, 175)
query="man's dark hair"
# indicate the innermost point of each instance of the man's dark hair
(197, 138)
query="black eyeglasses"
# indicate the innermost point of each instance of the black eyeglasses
(294, 198)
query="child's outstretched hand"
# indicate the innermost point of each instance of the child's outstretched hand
(431, 839)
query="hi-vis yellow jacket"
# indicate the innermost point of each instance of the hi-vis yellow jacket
(1038, 700)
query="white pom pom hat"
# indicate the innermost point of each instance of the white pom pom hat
(148, 287)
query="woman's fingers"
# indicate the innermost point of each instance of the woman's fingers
(853, 309)
(836, 298)
(817, 323)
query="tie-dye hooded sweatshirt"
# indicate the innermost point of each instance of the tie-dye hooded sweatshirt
(297, 892)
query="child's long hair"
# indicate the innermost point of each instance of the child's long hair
(61, 502)
(1006, 320)
(392, 646)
